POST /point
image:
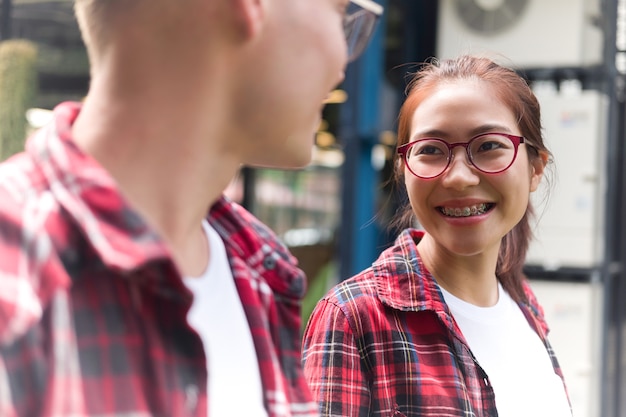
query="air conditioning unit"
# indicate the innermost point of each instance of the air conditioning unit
(573, 311)
(529, 33)
(570, 222)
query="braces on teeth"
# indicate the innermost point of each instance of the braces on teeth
(465, 211)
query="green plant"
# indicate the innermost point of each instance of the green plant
(18, 89)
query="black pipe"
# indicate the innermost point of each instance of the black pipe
(5, 23)
(611, 270)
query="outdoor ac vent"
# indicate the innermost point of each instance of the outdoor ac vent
(570, 222)
(525, 33)
(490, 17)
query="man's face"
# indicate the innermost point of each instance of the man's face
(300, 57)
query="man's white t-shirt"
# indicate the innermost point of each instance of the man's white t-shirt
(513, 356)
(217, 315)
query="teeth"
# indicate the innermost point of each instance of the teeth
(465, 211)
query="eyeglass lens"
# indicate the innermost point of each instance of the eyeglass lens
(489, 153)
(358, 28)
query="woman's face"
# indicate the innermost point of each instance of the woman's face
(456, 112)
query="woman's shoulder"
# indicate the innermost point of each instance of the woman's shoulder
(535, 307)
(389, 279)
(358, 289)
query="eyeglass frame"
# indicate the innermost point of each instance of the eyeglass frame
(368, 6)
(402, 151)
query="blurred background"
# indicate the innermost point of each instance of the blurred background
(334, 214)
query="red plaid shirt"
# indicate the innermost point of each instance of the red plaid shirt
(93, 309)
(384, 343)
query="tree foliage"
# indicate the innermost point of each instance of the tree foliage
(18, 89)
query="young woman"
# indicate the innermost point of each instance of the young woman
(444, 322)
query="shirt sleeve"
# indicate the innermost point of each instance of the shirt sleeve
(6, 405)
(332, 364)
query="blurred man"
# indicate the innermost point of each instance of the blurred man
(128, 285)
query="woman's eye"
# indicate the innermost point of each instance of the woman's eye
(489, 146)
(429, 150)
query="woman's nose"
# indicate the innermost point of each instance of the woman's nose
(460, 173)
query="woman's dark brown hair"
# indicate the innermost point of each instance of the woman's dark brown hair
(515, 93)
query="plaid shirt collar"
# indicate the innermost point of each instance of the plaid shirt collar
(91, 197)
(59, 196)
(119, 235)
(413, 288)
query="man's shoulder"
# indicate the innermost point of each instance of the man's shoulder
(23, 193)
(26, 198)
(20, 179)
(27, 213)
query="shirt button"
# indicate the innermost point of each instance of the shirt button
(269, 262)
(191, 398)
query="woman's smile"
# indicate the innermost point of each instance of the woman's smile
(467, 211)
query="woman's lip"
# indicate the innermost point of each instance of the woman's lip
(463, 203)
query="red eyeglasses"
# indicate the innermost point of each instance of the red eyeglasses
(490, 153)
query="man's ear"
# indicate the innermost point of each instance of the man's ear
(538, 166)
(248, 16)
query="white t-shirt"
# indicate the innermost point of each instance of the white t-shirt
(513, 356)
(217, 315)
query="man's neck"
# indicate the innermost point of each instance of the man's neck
(168, 168)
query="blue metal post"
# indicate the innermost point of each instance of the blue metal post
(359, 234)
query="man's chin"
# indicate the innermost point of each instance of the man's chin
(293, 161)
(282, 165)
(296, 153)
